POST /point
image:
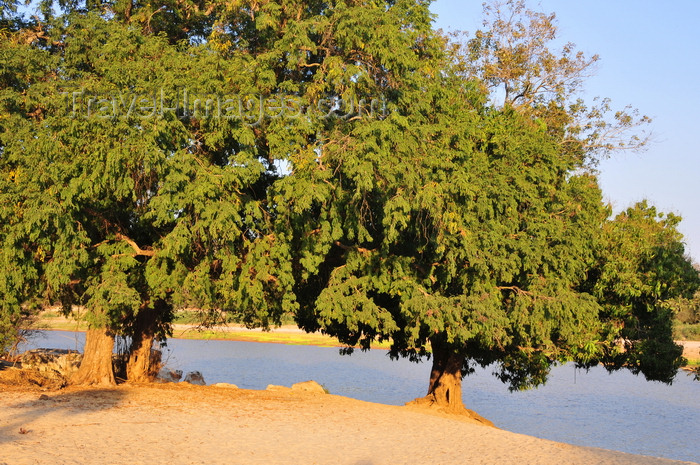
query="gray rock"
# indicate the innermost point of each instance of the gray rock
(53, 361)
(194, 377)
(166, 375)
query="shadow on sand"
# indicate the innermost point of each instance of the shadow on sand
(16, 419)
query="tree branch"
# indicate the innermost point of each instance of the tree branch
(134, 245)
(518, 290)
(347, 247)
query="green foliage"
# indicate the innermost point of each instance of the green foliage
(686, 332)
(686, 323)
(457, 225)
(447, 220)
(687, 311)
(6, 8)
(642, 266)
(107, 205)
(16, 327)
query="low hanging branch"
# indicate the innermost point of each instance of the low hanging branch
(518, 290)
(362, 250)
(138, 250)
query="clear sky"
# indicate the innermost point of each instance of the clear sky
(650, 58)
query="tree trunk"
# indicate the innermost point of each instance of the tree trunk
(144, 362)
(445, 388)
(96, 368)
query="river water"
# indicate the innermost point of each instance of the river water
(616, 411)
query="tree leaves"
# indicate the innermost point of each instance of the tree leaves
(641, 267)
(513, 60)
(115, 207)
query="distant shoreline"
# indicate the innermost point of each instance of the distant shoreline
(285, 334)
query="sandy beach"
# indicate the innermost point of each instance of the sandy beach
(185, 424)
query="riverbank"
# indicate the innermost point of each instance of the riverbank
(185, 424)
(286, 334)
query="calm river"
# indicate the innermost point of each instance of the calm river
(619, 411)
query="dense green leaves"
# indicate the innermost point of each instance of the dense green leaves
(113, 197)
(482, 247)
(642, 267)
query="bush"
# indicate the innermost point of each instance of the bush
(686, 319)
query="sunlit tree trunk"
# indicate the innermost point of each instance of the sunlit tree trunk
(445, 388)
(143, 364)
(96, 368)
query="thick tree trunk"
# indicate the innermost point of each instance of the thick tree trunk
(143, 363)
(139, 367)
(96, 368)
(445, 388)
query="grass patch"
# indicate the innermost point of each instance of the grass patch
(275, 337)
(59, 323)
(686, 332)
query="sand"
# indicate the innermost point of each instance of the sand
(184, 424)
(691, 349)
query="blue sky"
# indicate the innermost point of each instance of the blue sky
(650, 58)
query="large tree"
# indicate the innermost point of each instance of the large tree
(459, 229)
(121, 196)
(470, 246)
(448, 227)
(408, 206)
(135, 210)
(513, 57)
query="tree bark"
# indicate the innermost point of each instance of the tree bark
(143, 363)
(445, 388)
(96, 368)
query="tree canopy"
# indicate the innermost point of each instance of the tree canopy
(472, 231)
(514, 59)
(116, 199)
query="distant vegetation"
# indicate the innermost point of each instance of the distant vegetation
(686, 323)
